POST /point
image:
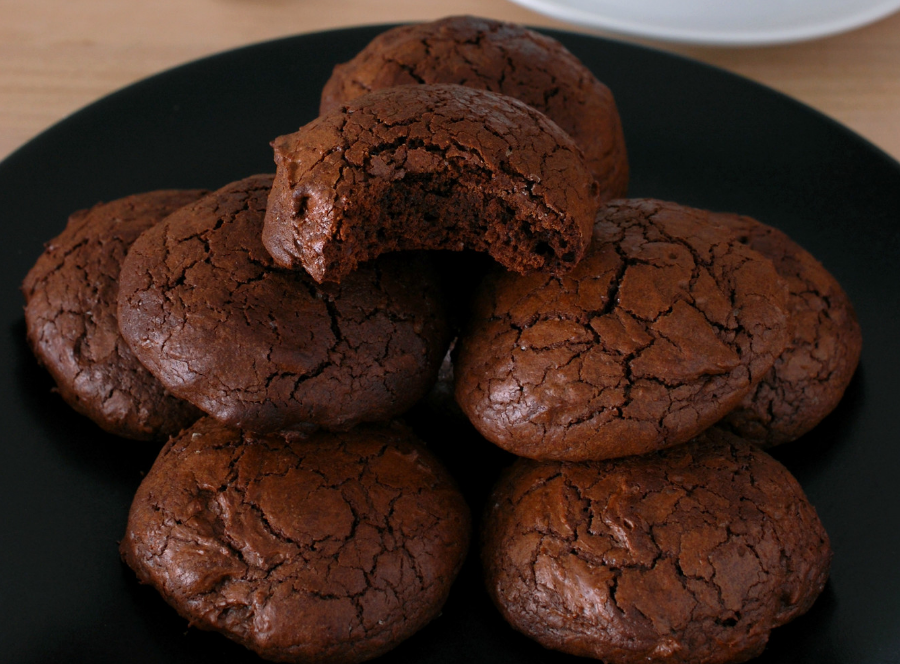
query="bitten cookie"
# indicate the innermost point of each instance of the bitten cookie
(70, 315)
(662, 329)
(500, 57)
(429, 167)
(689, 555)
(202, 306)
(332, 549)
(810, 376)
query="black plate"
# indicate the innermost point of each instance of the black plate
(696, 135)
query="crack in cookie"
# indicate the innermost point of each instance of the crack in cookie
(691, 554)
(332, 548)
(429, 167)
(665, 325)
(500, 57)
(809, 378)
(70, 315)
(204, 308)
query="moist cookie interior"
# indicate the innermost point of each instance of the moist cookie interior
(447, 211)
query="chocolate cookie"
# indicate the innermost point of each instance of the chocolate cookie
(332, 549)
(70, 315)
(809, 378)
(662, 329)
(500, 57)
(202, 306)
(429, 167)
(689, 555)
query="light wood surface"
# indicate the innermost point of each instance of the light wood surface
(57, 57)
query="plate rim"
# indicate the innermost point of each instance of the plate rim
(554, 32)
(561, 9)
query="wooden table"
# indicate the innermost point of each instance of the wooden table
(57, 57)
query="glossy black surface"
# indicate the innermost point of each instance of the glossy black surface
(695, 135)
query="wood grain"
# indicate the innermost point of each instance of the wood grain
(57, 57)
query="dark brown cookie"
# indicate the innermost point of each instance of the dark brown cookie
(500, 57)
(429, 167)
(331, 549)
(689, 555)
(809, 378)
(70, 315)
(667, 323)
(204, 309)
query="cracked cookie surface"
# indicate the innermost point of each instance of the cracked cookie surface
(71, 322)
(500, 57)
(429, 167)
(692, 554)
(809, 378)
(662, 329)
(331, 549)
(203, 307)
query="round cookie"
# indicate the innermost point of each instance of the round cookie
(202, 306)
(664, 326)
(429, 167)
(809, 378)
(70, 316)
(329, 549)
(688, 555)
(500, 57)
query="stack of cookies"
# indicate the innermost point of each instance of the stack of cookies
(638, 355)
